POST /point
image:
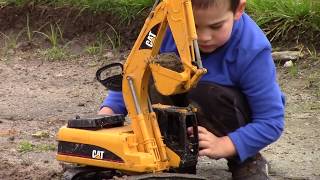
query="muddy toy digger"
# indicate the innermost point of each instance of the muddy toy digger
(155, 144)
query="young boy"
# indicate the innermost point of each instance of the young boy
(241, 107)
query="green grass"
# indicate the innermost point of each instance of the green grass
(94, 49)
(294, 70)
(287, 18)
(26, 146)
(127, 10)
(282, 20)
(54, 35)
(56, 53)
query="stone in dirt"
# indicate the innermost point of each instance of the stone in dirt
(287, 55)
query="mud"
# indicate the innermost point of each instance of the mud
(170, 61)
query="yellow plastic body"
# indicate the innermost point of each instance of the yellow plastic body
(121, 141)
(140, 144)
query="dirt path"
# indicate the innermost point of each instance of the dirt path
(37, 97)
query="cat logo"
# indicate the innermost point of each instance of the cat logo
(150, 39)
(97, 154)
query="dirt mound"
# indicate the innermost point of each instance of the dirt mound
(170, 61)
(73, 22)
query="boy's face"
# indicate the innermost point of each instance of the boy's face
(214, 25)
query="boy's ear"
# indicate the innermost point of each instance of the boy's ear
(240, 9)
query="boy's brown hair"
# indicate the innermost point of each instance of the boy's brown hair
(207, 3)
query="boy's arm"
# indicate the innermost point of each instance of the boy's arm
(258, 82)
(105, 111)
(113, 104)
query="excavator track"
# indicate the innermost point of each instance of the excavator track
(166, 176)
(95, 173)
(87, 173)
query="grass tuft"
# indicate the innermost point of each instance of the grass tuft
(294, 70)
(54, 35)
(56, 53)
(287, 19)
(26, 146)
(127, 10)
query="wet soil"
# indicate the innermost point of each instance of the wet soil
(38, 96)
(170, 61)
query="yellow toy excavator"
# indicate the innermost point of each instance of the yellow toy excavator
(155, 143)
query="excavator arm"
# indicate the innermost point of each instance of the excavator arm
(176, 15)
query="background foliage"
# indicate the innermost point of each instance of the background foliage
(295, 20)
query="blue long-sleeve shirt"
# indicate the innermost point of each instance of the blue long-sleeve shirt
(244, 62)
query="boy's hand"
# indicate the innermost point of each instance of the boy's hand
(105, 111)
(212, 146)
